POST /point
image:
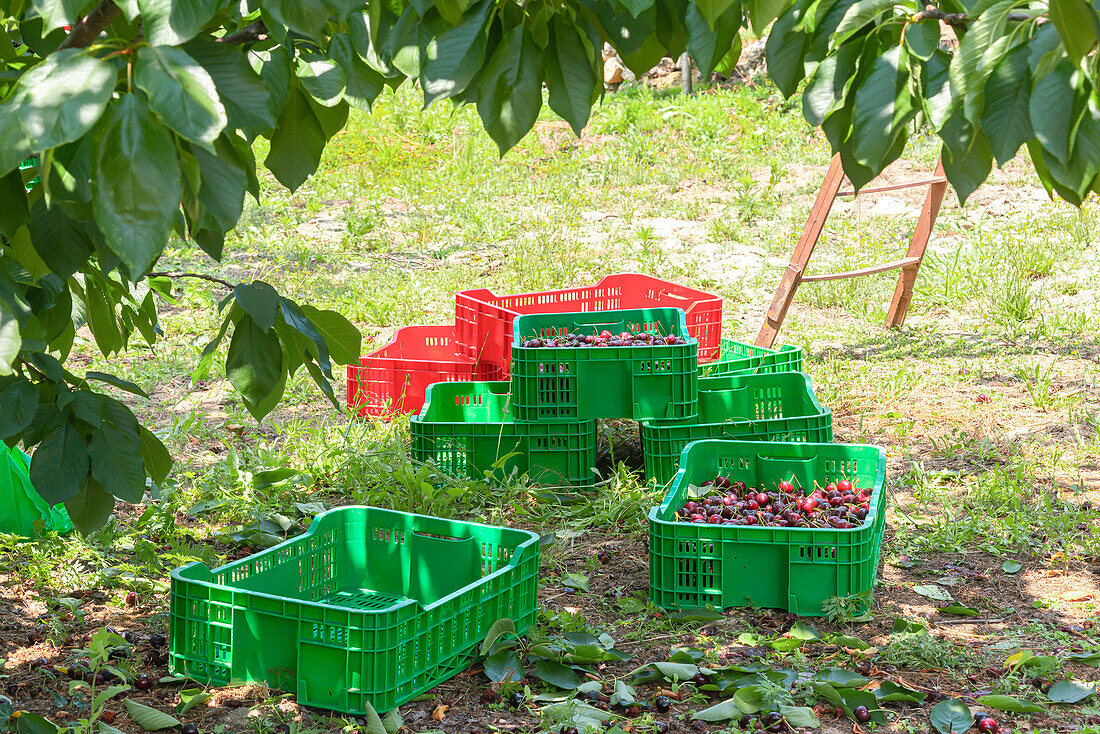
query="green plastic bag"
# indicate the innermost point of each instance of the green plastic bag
(22, 510)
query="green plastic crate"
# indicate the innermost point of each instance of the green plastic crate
(27, 165)
(760, 407)
(466, 429)
(741, 358)
(558, 384)
(796, 569)
(368, 606)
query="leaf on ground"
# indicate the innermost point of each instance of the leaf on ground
(1086, 658)
(951, 717)
(575, 581)
(149, 718)
(1010, 703)
(1011, 567)
(888, 690)
(959, 610)
(556, 674)
(440, 712)
(1071, 691)
(801, 631)
(931, 591)
(1075, 595)
(721, 711)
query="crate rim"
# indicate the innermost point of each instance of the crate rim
(666, 423)
(421, 417)
(754, 530)
(475, 292)
(533, 538)
(681, 324)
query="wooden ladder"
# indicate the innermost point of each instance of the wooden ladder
(909, 265)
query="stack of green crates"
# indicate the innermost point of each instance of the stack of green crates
(543, 422)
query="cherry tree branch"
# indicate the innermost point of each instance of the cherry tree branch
(249, 34)
(91, 25)
(958, 20)
(210, 278)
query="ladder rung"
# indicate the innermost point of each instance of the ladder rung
(863, 271)
(893, 187)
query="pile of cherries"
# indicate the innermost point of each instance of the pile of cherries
(606, 339)
(839, 505)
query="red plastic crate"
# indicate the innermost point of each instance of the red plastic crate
(483, 320)
(394, 379)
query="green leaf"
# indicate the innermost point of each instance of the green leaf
(1071, 691)
(115, 452)
(960, 610)
(932, 591)
(575, 581)
(503, 666)
(137, 184)
(60, 99)
(1084, 658)
(224, 180)
(951, 717)
(721, 711)
(1078, 24)
(709, 43)
(363, 84)
(1006, 120)
(392, 722)
(60, 464)
(510, 89)
(28, 723)
(58, 13)
(874, 128)
(10, 339)
(15, 212)
(859, 15)
(840, 678)
(786, 49)
(570, 77)
(18, 404)
(921, 39)
(322, 78)
(966, 173)
(1009, 703)
(170, 22)
(158, 462)
(454, 56)
(101, 316)
(115, 381)
(980, 48)
(763, 12)
(891, 691)
(344, 342)
(297, 143)
(802, 631)
(254, 365)
(304, 16)
(61, 242)
(712, 10)
(248, 103)
(622, 695)
(500, 628)
(181, 92)
(190, 698)
(1051, 109)
(149, 718)
(260, 301)
(799, 716)
(556, 674)
(90, 508)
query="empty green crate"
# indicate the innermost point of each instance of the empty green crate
(567, 383)
(466, 429)
(741, 358)
(369, 606)
(760, 407)
(796, 569)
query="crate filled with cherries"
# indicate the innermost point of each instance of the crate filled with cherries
(720, 501)
(606, 338)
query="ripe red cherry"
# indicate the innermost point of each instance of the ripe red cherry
(721, 482)
(698, 518)
(809, 504)
(761, 499)
(752, 505)
(988, 726)
(672, 339)
(844, 486)
(835, 501)
(830, 487)
(862, 714)
(714, 519)
(143, 683)
(786, 486)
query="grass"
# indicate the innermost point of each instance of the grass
(987, 401)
